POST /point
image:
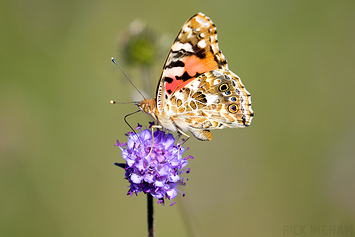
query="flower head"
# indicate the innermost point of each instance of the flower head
(154, 165)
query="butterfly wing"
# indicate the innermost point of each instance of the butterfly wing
(215, 100)
(197, 91)
(194, 52)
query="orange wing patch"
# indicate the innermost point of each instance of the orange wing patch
(194, 67)
(195, 51)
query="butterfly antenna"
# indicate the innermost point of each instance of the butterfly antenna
(125, 120)
(114, 61)
(130, 102)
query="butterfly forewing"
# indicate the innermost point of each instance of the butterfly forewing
(194, 51)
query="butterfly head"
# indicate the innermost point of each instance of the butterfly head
(148, 107)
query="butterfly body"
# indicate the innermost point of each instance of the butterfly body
(197, 92)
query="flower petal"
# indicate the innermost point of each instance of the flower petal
(171, 193)
(149, 178)
(169, 141)
(146, 135)
(174, 178)
(136, 178)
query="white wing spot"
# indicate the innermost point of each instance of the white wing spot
(174, 71)
(211, 99)
(194, 85)
(178, 46)
(217, 74)
(201, 44)
(187, 32)
(202, 21)
(216, 82)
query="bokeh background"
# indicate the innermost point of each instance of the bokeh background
(293, 166)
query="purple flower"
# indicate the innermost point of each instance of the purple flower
(153, 167)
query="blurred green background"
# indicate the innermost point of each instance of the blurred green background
(293, 166)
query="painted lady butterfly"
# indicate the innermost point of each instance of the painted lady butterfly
(196, 91)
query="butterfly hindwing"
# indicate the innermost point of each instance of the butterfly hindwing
(215, 100)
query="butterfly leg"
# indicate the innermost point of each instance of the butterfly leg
(188, 137)
(152, 129)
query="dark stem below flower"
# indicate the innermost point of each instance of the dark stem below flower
(150, 215)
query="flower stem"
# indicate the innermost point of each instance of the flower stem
(150, 215)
